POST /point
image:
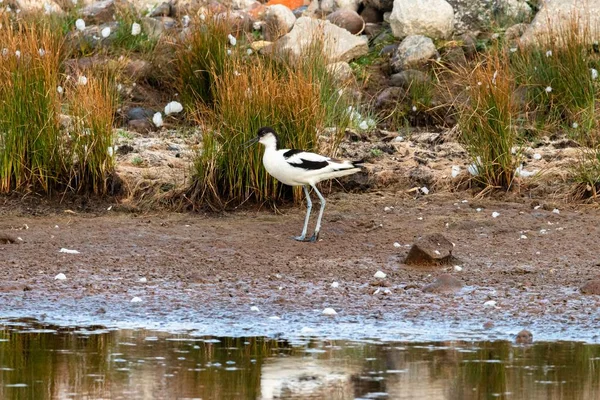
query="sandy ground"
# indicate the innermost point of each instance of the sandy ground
(205, 272)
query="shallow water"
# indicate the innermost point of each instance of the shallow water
(47, 362)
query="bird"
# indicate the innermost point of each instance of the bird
(301, 168)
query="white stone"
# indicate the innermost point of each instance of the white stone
(380, 275)
(455, 171)
(136, 29)
(143, 280)
(254, 308)
(80, 24)
(157, 120)
(335, 285)
(495, 214)
(424, 190)
(136, 300)
(537, 156)
(433, 18)
(397, 245)
(490, 303)
(594, 73)
(329, 311)
(232, 39)
(338, 43)
(82, 80)
(458, 268)
(556, 211)
(173, 107)
(60, 277)
(67, 251)
(523, 237)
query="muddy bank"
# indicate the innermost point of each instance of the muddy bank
(522, 269)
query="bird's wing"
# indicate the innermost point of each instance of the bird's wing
(305, 160)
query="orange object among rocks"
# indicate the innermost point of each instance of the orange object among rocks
(291, 4)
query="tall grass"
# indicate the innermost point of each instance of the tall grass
(200, 57)
(557, 73)
(36, 153)
(586, 173)
(30, 148)
(486, 121)
(91, 107)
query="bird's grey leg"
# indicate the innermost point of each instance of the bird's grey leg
(315, 235)
(308, 208)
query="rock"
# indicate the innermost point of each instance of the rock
(140, 125)
(137, 69)
(328, 6)
(371, 15)
(242, 4)
(444, 283)
(469, 44)
(455, 57)
(556, 15)
(238, 21)
(32, 6)
(341, 72)
(592, 287)
(338, 43)
(422, 176)
(139, 113)
(430, 250)
(524, 337)
(414, 51)
(372, 30)
(347, 19)
(381, 5)
(389, 97)
(279, 20)
(515, 8)
(407, 78)
(161, 10)
(5, 238)
(514, 32)
(433, 18)
(99, 12)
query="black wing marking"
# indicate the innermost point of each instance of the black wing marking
(290, 153)
(307, 164)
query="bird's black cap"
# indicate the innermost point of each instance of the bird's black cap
(265, 130)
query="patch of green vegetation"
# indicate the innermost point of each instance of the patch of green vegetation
(137, 161)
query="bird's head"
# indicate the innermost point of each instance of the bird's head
(266, 136)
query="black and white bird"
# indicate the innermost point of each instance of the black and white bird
(301, 168)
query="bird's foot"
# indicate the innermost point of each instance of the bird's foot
(301, 238)
(314, 237)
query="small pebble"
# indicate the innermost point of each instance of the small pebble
(556, 211)
(458, 268)
(397, 245)
(329, 311)
(143, 280)
(523, 237)
(60, 277)
(335, 285)
(254, 308)
(537, 156)
(424, 190)
(495, 214)
(380, 275)
(490, 303)
(136, 300)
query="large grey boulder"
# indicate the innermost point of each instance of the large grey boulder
(347, 19)
(413, 52)
(557, 15)
(338, 43)
(433, 18)
(473, 15)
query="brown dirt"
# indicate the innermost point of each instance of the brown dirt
(206, 268)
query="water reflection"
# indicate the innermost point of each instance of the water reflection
(52, 363)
